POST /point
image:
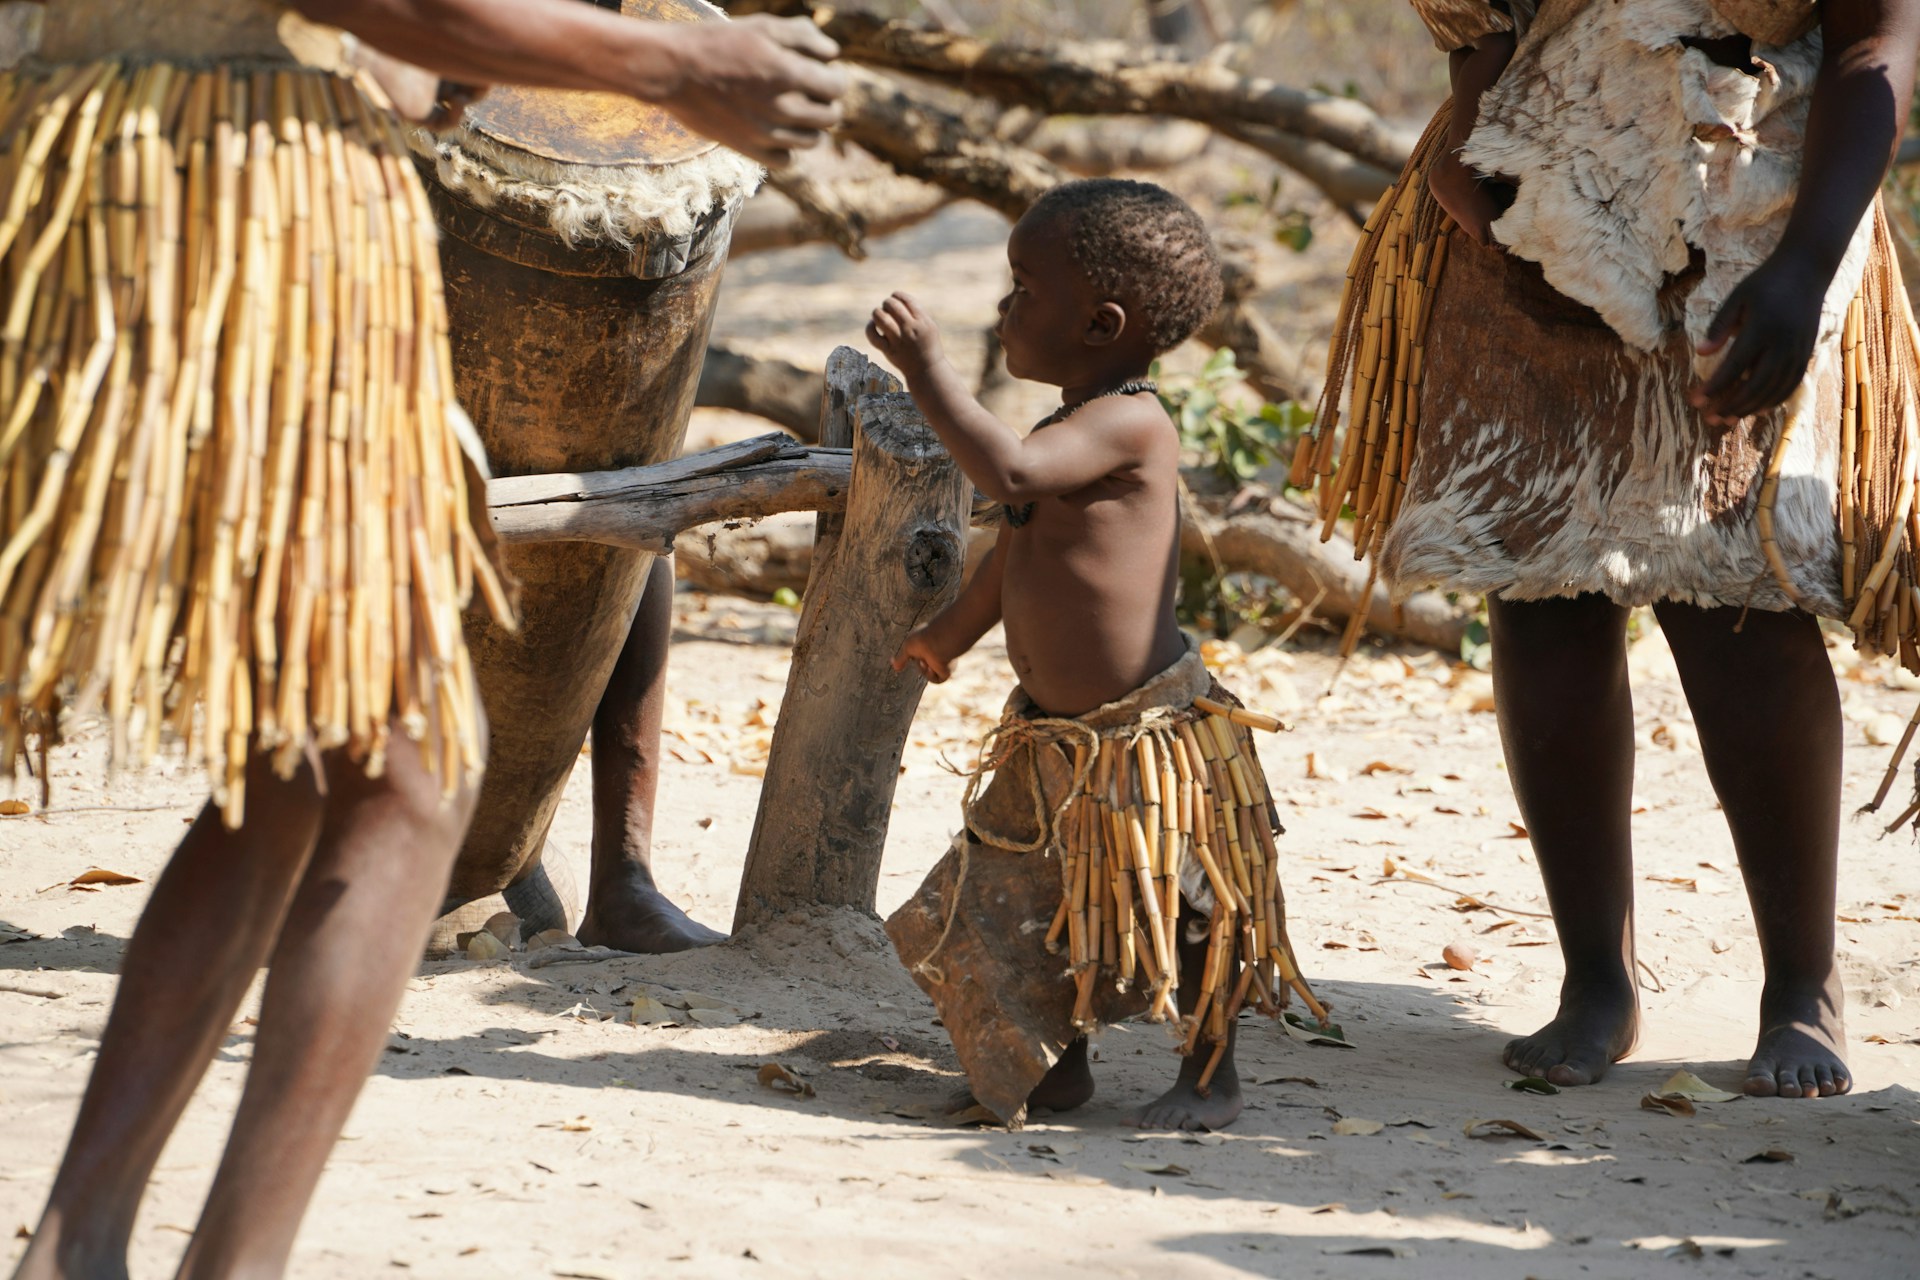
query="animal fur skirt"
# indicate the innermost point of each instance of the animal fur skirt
(1556, 460)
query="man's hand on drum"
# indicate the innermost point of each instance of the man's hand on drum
(760, 85)
(905, 334)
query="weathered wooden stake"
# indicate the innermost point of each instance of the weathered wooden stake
(886, 566)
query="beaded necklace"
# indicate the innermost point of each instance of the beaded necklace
(1017, 516)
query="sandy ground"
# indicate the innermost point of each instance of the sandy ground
(523, 1126)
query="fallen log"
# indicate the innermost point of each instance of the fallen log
(646, 507)
(777, 390)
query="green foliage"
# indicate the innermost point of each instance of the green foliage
(1234, 443)
(1292, 225)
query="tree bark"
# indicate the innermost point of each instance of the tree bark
(824, 806)
(1106, 80)
(776, 390)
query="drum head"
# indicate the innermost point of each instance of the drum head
(606, 130)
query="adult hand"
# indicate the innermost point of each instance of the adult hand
(905, 334)
(416, 95)
(1772, 320)
(1473, 202)
(756, 84)
(920, 651)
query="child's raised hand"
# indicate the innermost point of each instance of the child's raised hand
(933, 664)
(1772, 320)
(905, 334)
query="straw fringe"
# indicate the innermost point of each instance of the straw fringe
(232, 504)
(1173, 790)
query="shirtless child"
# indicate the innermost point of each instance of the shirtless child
(1108, 274)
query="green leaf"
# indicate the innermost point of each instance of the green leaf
(1533, 1084)
(785, 597)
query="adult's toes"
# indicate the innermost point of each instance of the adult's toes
(1760, 1083)
(1789, 1083)
(1573, 1072)
(1823, 1079)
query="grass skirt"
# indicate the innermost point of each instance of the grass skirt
(234, 505)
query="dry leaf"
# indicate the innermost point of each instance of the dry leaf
(1498, 1129)
(968, 1117)
(14, 808)
(1159, 1170)
(780, 1080)
(650, 1012)
(1371, 1251)
(1772, 1155)
(485, 947)
(1355, 1127)
(1375, 767)
(99, 875)
(1533, 1084)
(1311, 1033)
(1685, 1084)
(1674, 1106)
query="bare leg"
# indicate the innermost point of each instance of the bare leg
(1184, 1106)
(1067, 1084)
(625, 909)
(1566, 724)
(1769, 720)
(352, 939)
(214, 913)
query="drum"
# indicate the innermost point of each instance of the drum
(582, 239)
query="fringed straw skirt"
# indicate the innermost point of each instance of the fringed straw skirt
(234, 504)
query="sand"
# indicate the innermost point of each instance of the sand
(522, 1125)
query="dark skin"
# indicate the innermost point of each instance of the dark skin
(1761, 690)
(335, 877)
(1084, 624)
(625, 908)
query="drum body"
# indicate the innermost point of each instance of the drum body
(582, 241)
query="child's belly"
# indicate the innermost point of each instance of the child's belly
(1085, 630)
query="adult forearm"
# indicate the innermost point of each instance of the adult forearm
(556, 44)
(1853, 130)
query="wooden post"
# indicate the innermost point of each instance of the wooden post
(886, 566)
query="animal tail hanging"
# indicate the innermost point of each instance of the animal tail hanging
(1375, 361)
(232, 497)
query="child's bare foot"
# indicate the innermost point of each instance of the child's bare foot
(1802, 1031)
(1182, 1107)
(631, 914)
(1067, 1084)
(1598, 1024)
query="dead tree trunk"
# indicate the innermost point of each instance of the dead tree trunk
(895, 561)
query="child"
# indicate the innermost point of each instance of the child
(1644, 390)
(334, 869)
(1090, 810)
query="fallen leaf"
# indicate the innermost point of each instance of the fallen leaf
(1308, 1081)
(1690, 885)
(1498, 1129)
(1674, 1106)
(891, 1043)
(1772, 1155)
(715, 1017)
(1371, 1251)
(650, 1012)
(99, 875)
(780, 1080)
(1375, 767)
(1312, 1033)
(1685, 1084)
(1159, 1170)
(14, 809)
(484, 947)
(1355, 1127)
(1533, 1084)
(1685, 1249)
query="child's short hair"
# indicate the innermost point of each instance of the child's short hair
(1145, 248)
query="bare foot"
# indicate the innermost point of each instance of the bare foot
(633, 915)
(1067, 1084)
(1597, 1025)
(1802, 1031)
(1182, 1107)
